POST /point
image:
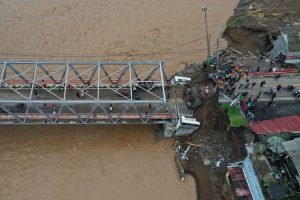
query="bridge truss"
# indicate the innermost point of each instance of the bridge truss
(84, 92)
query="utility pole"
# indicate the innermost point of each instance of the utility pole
(207, 36)
(218, 45)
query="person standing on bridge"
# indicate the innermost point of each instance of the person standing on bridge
(69, 86)
(78, 95)
(110, 108)
(44, 84)
(247, 85)
(262, 83)
(166, 109)
(36, 94)
(232, 90)
(134, 90)
(270, 69)
(279, 87)
(81, 95)
(274, 90)
(146, 114)
(241, 85)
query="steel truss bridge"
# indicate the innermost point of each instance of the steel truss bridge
(85, 93)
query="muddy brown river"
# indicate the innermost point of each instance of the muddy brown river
(99, 162)
(88, 162)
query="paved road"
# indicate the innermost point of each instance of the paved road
(282, 95)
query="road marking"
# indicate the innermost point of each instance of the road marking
(289, 84)
(265, 100)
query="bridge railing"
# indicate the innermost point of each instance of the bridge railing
(83, 91)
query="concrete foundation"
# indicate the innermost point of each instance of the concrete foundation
(184, 130)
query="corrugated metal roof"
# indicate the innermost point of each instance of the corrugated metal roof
(278, 125)
(278, 46)
(293, 149)
(288, 42)
(293, 37)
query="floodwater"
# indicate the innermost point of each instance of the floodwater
(99, 162)
(168, 30)
(95, 162)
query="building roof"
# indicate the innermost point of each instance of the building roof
(239, 183)
(293, 37)
(293, 149)
(278, 125)
(244, 180)
(279, 46)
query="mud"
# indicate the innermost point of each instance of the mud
(215, 144)
(255, 23)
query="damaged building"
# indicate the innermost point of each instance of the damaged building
(270, 171)
(287, 46)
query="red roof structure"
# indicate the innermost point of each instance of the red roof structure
(277, 125)
(284, 71)
(239, 183)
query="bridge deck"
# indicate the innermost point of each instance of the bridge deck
(83, 110)
(87, 92)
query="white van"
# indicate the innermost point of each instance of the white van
(181, 80)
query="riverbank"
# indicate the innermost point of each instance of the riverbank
(254, 25)
(65, 158)
(250, 32)
(214, 144)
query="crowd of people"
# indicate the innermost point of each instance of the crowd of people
(236, 82)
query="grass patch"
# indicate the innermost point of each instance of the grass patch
(235, 117)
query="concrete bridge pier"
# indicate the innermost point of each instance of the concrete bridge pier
(170, 129)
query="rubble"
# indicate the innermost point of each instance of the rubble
(250, 34)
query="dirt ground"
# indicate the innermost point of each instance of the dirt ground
(256, 31)
(215, 143)
(221, 144)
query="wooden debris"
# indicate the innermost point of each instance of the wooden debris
(251, 54)
(196, 145)
(236, 51)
